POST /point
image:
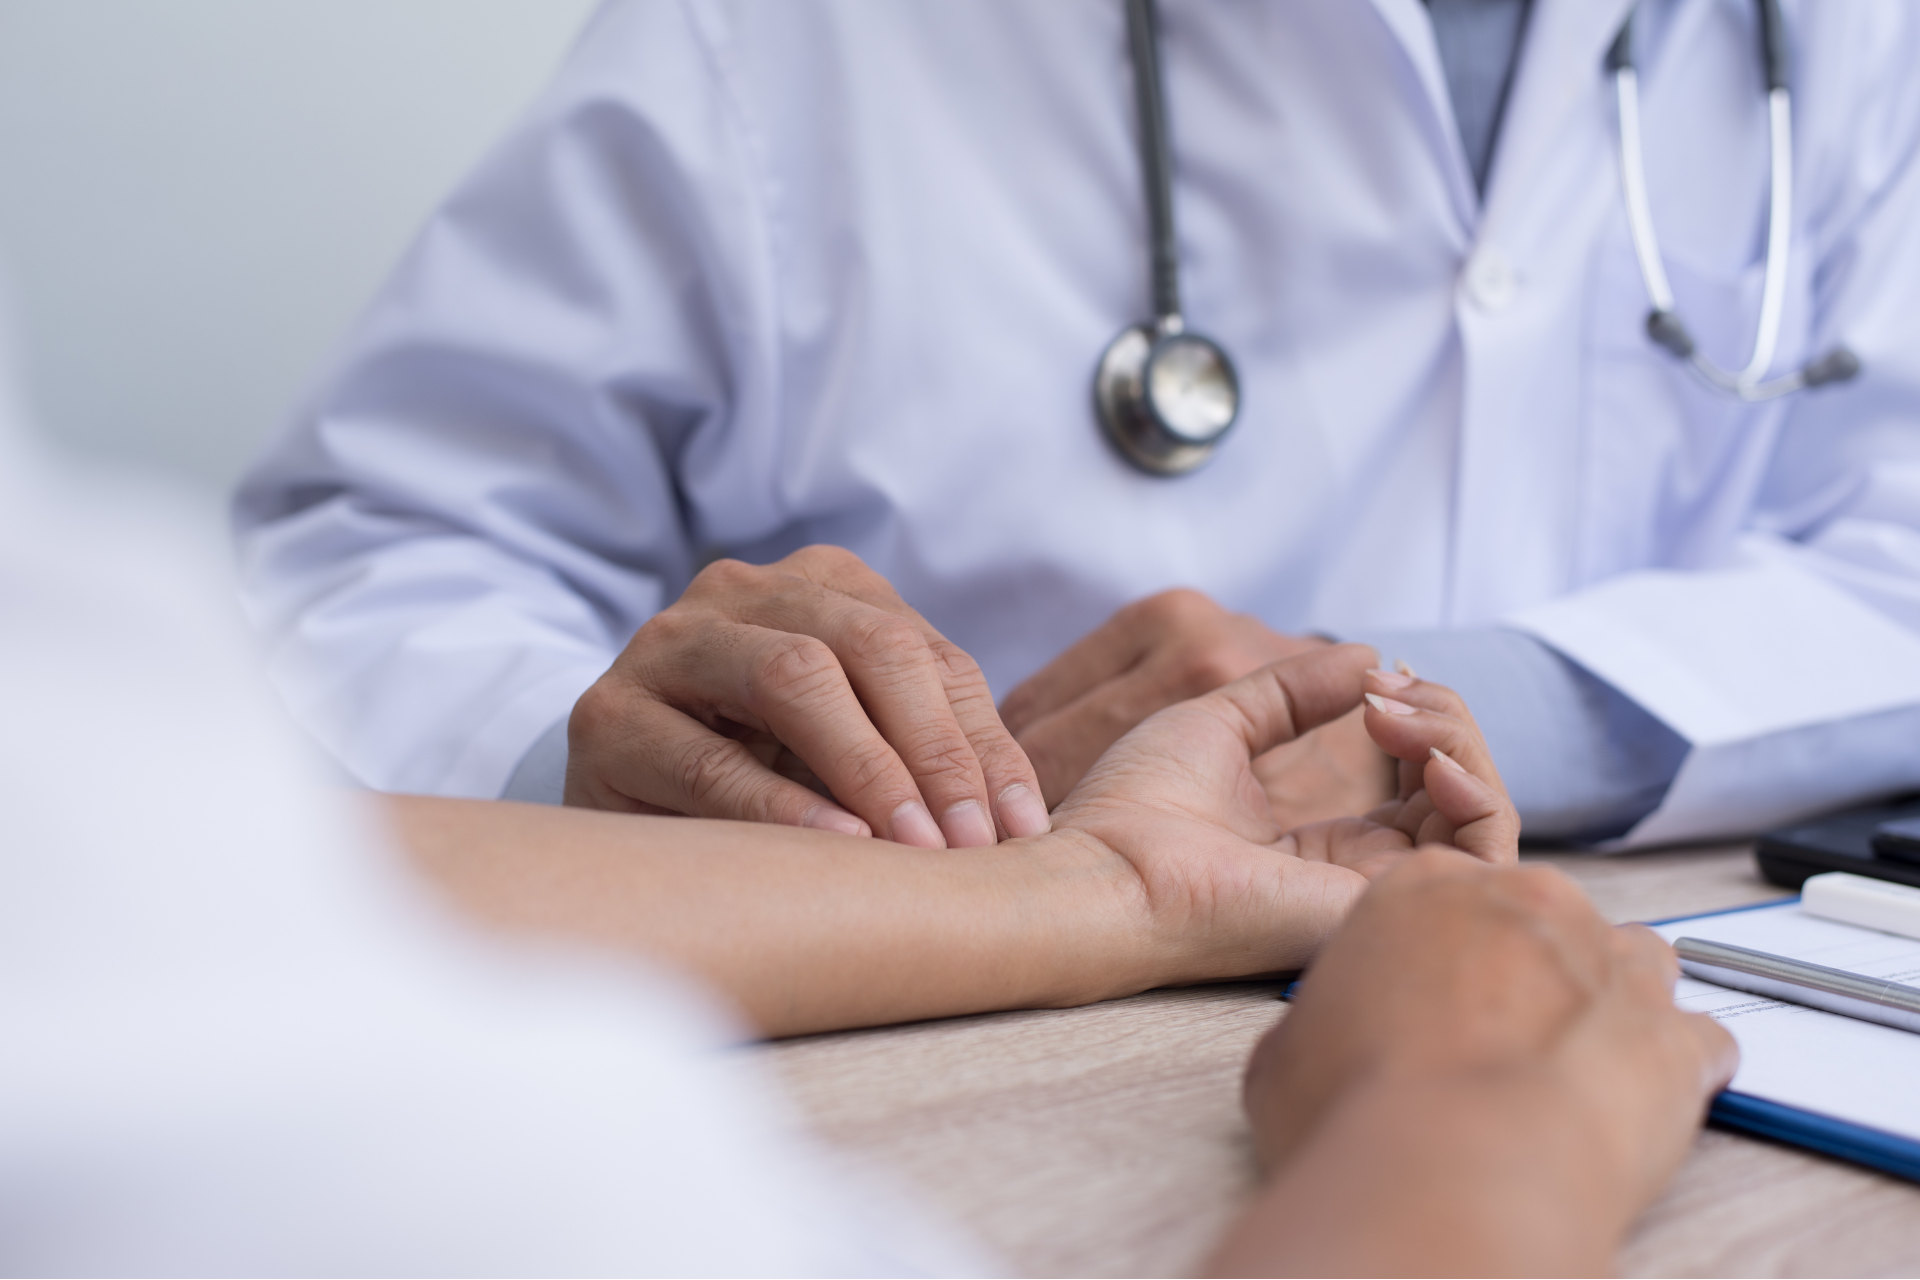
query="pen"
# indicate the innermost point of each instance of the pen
(1881, 1000)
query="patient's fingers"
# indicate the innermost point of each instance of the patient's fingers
(1408, 718)
(1468, 813)
(1443, 755)
(1280, 702)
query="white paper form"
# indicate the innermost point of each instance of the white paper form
(1807, 1058)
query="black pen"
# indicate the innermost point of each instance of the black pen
(1881, 1000)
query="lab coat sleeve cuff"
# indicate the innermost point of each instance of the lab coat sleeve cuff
(497, 752)
(1581, 761)
(1761, 668)
(541, 775)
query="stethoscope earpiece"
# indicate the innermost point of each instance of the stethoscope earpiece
(1166, 396)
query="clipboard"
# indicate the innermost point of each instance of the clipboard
(1794, 1114)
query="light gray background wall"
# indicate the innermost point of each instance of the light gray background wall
(197, 196)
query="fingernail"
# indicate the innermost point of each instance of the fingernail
(1443, 757)
(913, 825)
(967, 826)
(1400, 665)
(1393, 679)
(1023, 812)
(1388, 705)
(824, 817)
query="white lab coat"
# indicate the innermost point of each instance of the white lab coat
(755, 275)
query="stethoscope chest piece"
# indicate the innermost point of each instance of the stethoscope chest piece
(1165, 396)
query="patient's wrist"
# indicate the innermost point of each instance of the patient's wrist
(1091, 921)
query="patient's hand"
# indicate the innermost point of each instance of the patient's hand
(1179, 801)
(1479, 1076)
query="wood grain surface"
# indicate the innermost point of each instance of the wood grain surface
(1109, 1141)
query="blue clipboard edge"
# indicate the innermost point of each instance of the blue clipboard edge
(1874, 1148)
(1797, 1127)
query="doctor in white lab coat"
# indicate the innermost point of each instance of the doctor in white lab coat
(754, 276)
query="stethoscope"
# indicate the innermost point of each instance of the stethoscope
(1166, 396)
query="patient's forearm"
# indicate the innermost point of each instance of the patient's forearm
(804, 930)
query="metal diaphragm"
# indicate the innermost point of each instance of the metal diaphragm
(1165, 397)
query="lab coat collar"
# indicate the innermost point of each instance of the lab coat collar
(1565, 43)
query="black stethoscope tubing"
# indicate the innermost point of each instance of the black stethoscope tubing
(1165, 395)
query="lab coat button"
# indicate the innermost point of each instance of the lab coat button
(1491, 280)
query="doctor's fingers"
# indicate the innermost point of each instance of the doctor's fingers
(654, 758)
(651, 746)
(929, 700)
(1018, 806)
(856, 697)
(1178, 644)
(1019, 803)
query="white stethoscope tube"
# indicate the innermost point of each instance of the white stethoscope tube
(1664, 325)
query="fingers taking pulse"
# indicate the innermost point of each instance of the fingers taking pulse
(818, 652)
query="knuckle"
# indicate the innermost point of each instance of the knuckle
(705, 772)
(1182, 607)
(594, 716)
(725, 575)
(827, 559)
(955, 663)
(1207, 666)
(864, 768)
(885, 638)
(1547, 891)
(1184, 601)
(944, 758)
(1443, 700)
(668, 629)
(793, 668)
(1002, 760)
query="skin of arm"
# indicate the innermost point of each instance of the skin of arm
(1164, 866)
(1478, 1078)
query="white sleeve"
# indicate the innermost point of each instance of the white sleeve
(485, 499)
(239, 1041)
(1794, 670)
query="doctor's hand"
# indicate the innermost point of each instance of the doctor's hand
(1235, 892)
(804, 693)
(1165, 649)
(1479, 1077)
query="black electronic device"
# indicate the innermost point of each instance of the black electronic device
(1898, 839)
(1844, 842)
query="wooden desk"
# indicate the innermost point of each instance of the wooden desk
(1109, 1141)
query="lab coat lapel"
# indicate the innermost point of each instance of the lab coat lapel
(1408, 21)
(1565, 43)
